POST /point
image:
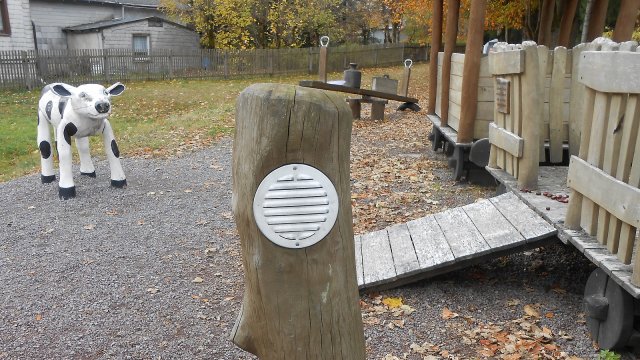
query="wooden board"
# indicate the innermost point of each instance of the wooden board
(506, 140)
(350, 90)
(405, 259)
(430, 244)
(377, 259)
(461, 234)
(496, 230)
(525, 220)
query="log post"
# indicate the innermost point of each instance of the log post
(436, 41)
(322, 63)
(531, 117)
(292, 208)
(471, 72)
(449, 44)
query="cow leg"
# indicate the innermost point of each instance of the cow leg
(47, 174)
(113, 154)
(66, 186)
(86, 165)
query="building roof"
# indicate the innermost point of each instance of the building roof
(97, 26)
(154, 4)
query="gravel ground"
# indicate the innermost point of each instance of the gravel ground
(154, 272)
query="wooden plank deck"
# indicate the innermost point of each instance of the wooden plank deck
(448, 241)
(553, 180)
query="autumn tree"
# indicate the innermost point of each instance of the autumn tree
(221, 24)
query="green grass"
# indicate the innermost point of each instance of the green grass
(159, 118)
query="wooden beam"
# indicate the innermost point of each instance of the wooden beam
(471, 71)
(436, 42)
(622, 75)
(626, 20)
(450, 37)
(566, 24)
(506, 140)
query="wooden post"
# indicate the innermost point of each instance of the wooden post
(322, 63)
(546, 20)
(299, 302)
(471, 72)
(436, 41)
(449, 44)
(531, 117)
(568, 14)
(597, 19)
(626, 20)
(404, 81)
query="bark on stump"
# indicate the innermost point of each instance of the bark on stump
(299, 303)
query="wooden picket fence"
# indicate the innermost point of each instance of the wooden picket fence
(605, 176)
(32, 69)
(538, 109)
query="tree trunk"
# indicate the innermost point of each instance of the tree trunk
(546, 20)
(597, 19)
(626, 20)
(301, 300)
(566, 24)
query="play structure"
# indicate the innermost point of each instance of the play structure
(383, 88)
(460, 99)
(76, 112)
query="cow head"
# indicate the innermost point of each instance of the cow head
(90, 100)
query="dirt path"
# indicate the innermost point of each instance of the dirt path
(154, 271)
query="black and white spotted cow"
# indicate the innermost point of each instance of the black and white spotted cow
(79, 112)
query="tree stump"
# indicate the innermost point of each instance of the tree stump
(301, 301)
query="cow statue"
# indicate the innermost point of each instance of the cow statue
(79, 112)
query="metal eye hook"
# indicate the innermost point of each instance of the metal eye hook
(324, 41)
(408, 63)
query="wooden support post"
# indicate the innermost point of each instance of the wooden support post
(404, 81)
(597, 19)
(532, 116)
(568, 14)
(299, 302)
(449, 44)
(471, 72)
(546, 20)
(626, 20)
(436, 41)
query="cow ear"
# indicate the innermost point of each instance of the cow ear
(63, 90)
(116, 89)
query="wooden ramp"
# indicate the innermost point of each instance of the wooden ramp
(448, 241)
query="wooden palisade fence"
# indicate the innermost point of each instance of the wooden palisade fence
(32, 69)
(538, 108)
(605, 176)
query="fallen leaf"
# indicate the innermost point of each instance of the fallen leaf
(141, 222)
(197, 280)
(448, 314)
(392, 302)
(152, 290)
(188, 190)
(531, 311)
(89, 227)
(38, 317)
(549, 315)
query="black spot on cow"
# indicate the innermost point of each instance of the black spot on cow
(48, 109)
(114, 148)
(45, 149)
(61, 105)
(69, 131)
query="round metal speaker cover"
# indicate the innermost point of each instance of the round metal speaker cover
(295, 206)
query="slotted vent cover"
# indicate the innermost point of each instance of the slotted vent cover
(295, 206)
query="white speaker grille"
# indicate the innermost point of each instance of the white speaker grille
(295, 206)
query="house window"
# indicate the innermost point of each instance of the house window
(141, 47)
(4, 18)
(155, 22)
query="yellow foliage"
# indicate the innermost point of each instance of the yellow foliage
(392, 302)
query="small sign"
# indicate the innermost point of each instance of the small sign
(502, 97)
